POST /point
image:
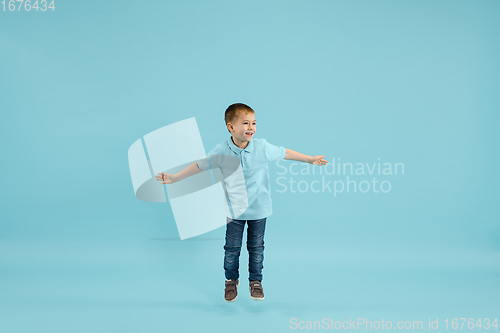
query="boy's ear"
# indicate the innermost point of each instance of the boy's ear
(230, 127)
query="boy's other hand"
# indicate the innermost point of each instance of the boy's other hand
(166, 178)
(318, 160)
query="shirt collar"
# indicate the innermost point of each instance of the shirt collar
(237, 149)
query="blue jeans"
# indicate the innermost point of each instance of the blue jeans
(255, 247)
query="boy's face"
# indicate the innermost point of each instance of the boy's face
(243, 128)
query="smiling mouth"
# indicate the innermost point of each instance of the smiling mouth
(249, 133)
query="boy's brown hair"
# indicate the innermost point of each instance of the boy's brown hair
(234, 110)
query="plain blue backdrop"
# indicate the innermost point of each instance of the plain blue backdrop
(412, 82)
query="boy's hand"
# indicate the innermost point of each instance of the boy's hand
(318, 160)
(166, 178)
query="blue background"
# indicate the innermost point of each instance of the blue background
(413, 82)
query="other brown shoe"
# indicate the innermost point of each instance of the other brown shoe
(256, 290)
(231, 291)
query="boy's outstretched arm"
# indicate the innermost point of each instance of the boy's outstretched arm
(189, 171)
(296, 156)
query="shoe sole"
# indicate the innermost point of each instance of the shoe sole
(255, 298)
(234, 299)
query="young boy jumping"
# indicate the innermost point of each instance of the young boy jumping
(254, 155)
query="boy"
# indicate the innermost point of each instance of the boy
(254, 155)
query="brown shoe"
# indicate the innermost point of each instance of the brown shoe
(256, 290)
(231, 291)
